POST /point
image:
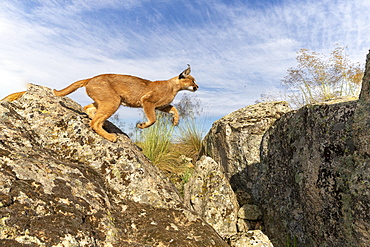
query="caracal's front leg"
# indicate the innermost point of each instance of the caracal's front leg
(149, 110)
(172, 110)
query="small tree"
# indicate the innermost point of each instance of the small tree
(318, 78)
(190, 131)
(189, 107)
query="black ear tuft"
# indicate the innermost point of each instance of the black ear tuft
(185, 73)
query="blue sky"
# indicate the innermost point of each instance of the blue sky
(237, 49)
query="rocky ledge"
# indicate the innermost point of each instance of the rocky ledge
(61, 184)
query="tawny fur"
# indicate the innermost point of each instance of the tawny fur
(13, 96)
(109, 91)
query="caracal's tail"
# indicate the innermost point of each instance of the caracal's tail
(71, 88)
(13, 96)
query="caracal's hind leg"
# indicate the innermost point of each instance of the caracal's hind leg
(90, 110)
(107, 101)
(104, 111)
(172, 110)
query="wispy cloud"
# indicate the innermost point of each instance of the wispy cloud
(237, 50)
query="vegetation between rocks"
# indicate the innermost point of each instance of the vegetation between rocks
(173, 149)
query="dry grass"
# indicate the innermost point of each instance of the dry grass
(172, 151)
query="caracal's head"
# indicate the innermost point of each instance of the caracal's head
(187, 82)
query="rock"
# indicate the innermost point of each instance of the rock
(186, 161)
(313, 183)
(361, 123)
(234, 142)
(209, 193)
(249, 212)
(61, 184)
(254, 238)
(243, 225)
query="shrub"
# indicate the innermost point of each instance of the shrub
(319, 77)
(155, 142)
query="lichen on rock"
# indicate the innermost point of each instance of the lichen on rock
(313, 184)
(62, 184)
(209, 193)
(234, 142)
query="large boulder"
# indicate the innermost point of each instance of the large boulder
(361, 123)
(208, 192)
(234, 142)
(313, 187)
(61, 184)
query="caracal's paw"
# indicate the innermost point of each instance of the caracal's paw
(144, 125)
(141, 125)
(110, 137)
(175, 121)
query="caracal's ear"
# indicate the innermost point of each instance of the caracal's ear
(185, 73)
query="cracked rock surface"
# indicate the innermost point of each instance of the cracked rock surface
(314, 176)
(61, 184)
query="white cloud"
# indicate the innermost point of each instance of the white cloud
(237, 51)
(11, 83)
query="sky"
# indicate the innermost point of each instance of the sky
(237, 49)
